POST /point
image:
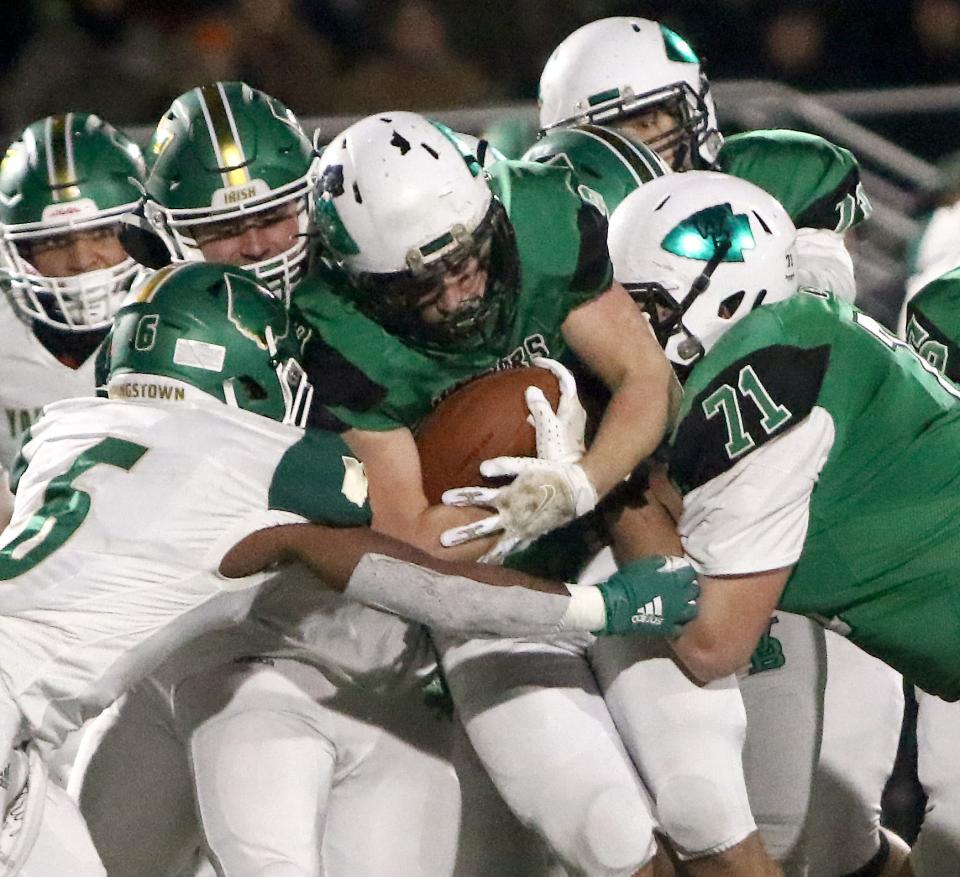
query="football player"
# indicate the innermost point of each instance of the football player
(64, 184)
(445, 272)
(199, 446)
(230, 173)
(644, 80)
(933, 330)
(331, 650)
(789, 469)
(608, 166)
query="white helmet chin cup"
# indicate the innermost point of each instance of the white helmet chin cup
(614, 67)
(396, 194)
(681, 231)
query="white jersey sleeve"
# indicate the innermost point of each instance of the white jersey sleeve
(753, 517)
(823, 262)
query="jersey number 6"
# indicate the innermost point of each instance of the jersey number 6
(64, 508)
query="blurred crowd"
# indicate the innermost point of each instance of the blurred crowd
(125, 59)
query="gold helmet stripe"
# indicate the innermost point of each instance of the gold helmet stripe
(222, 128)
(149, 288)
(61, 170)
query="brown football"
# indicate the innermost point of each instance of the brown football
(482, 419)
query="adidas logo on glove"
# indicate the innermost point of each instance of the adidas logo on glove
(649, 613)
(652, 596)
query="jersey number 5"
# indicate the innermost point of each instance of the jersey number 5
(725, 400)
(64, 508)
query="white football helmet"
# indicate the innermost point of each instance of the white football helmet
(397, 206)
(699, 251)
(613, 68)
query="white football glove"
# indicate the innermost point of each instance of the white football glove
(560, 434)
(548, 490)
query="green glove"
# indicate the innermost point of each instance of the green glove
(653, 596)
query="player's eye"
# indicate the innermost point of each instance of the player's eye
(209, 232)
(274, 214)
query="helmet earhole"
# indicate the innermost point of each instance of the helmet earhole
(255, 392)
(728, 307)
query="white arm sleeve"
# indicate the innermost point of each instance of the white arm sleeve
(754, 516)
(824, 263)
(450, 602)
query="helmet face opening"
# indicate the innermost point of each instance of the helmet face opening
(397, 300)
(65, 184)
(186, 231)
(661, 308)
(678, 145)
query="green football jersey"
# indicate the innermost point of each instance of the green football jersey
(933, 323)
(876, 524)
(561, 245)
(817, 182)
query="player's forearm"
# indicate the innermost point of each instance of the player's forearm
(423, 531)
(390, 575)
(734, 613)
(489, 600)
(632, 428)
(334, 553)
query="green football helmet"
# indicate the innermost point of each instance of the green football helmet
(933, 323)
(227, 152)
(608, 165)
(212, 328)
(66, 174)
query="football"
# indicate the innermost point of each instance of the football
(484, 418)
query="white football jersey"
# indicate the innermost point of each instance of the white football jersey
(120, 523)
(31, 377)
